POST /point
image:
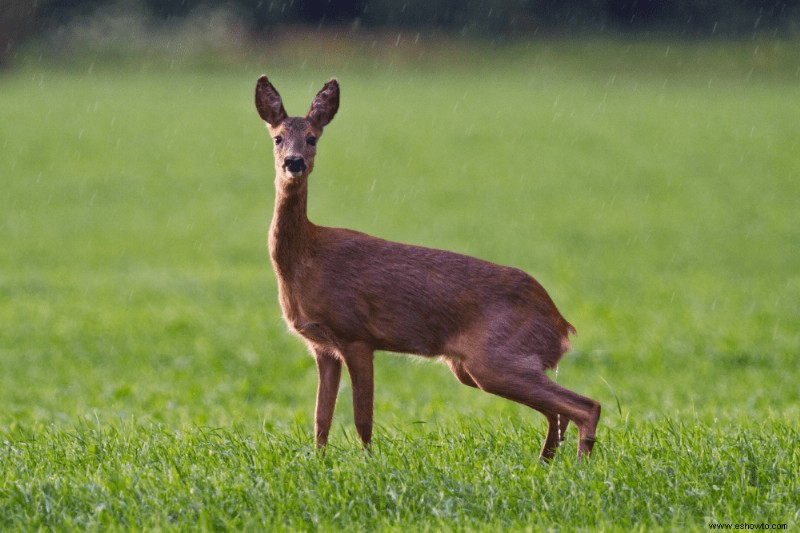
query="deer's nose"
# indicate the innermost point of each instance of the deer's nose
(294, 164)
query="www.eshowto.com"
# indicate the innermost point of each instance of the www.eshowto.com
(746, 526)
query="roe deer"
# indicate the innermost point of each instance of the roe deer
(348, 294)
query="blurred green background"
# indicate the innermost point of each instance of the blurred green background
(650, 185)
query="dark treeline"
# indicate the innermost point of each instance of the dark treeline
(506, 17)
(493, 18)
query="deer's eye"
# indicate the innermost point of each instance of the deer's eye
(278, 140)
(312, 141)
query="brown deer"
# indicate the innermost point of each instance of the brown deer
(348, 294)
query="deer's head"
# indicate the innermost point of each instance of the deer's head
(295, 138)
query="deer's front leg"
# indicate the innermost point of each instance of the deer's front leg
(329, 370)
(358, 358)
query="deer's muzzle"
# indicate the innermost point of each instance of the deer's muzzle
(294, 165)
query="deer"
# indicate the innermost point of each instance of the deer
(348, 294)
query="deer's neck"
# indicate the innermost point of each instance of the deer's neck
(290, 231)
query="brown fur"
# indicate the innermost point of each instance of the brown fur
(348, 294)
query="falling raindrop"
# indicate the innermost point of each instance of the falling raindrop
(558, 415)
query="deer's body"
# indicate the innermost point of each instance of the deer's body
(348, 294)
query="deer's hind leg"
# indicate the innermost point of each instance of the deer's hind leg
(556, 432)
(522, 379)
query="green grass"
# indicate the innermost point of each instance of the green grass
(146, 378)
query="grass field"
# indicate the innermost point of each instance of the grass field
(146, 377)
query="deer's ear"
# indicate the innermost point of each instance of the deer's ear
(269, 103)
(325, 105)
